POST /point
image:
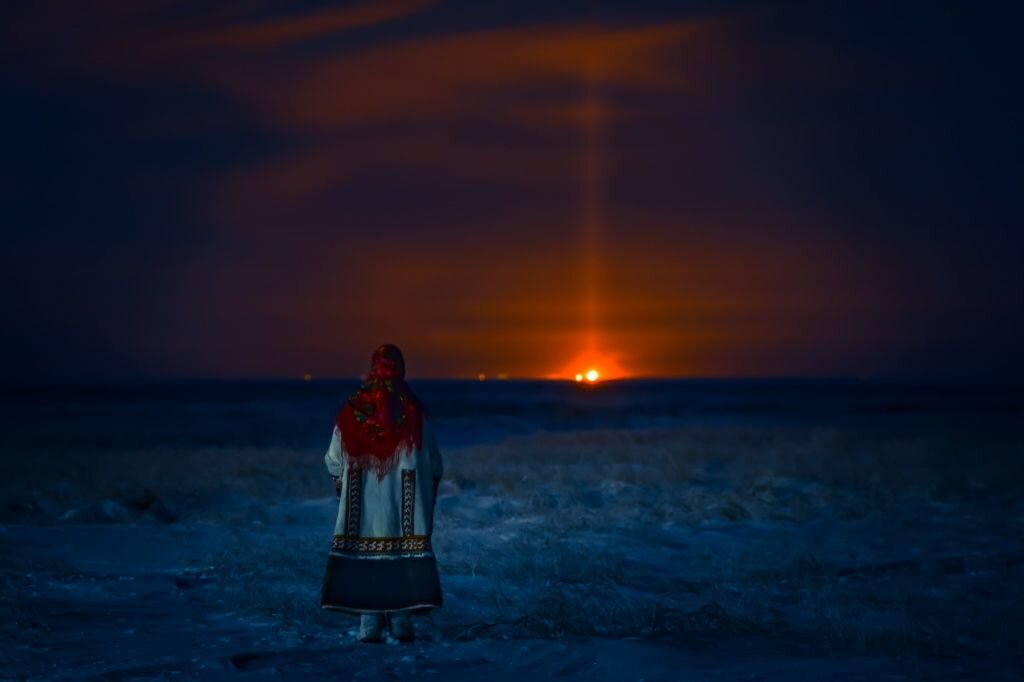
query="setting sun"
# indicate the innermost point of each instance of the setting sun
(592, 366)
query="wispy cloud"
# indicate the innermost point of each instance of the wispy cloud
(291, 29)
(495, 73)
(153, 37)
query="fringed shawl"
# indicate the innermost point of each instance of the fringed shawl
(383, 419)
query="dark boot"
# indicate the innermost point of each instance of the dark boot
(400, 623)
(371, 627)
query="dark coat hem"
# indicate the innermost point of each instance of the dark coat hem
(415, 610)
(367, 585)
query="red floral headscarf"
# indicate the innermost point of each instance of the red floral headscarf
(383, 419)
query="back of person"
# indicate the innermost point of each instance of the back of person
(387, 468)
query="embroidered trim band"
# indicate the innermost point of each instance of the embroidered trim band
(353, 501)
(408, 501)
(413, 543)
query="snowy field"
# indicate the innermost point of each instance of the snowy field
(772, 549)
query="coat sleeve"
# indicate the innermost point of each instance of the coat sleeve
(333, 460)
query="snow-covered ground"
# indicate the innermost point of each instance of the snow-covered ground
(720, 553)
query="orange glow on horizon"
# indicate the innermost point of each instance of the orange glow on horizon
(591, 376)
(591, 367)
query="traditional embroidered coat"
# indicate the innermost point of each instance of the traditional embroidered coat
(381, 558)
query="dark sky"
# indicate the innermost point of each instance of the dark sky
(268, 188)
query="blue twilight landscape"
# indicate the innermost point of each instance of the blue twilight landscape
(634, 529)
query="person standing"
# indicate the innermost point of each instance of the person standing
(386, 467)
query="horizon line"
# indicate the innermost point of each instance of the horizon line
(302, 379)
